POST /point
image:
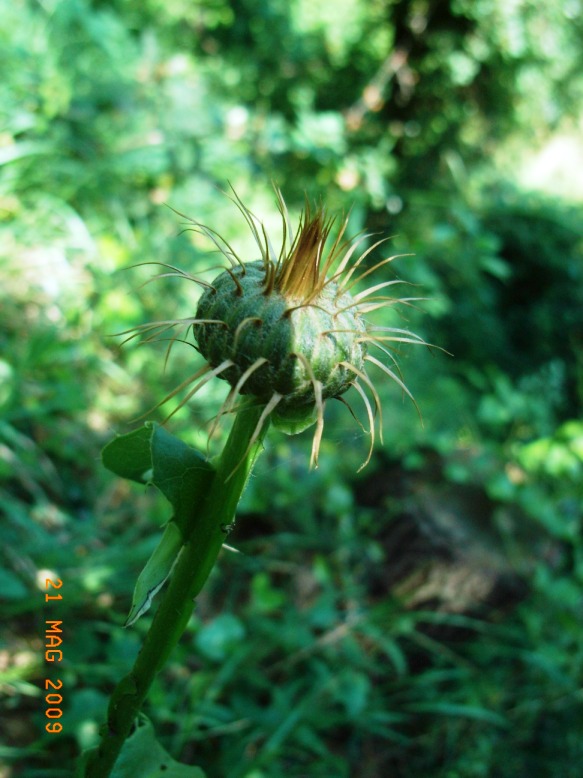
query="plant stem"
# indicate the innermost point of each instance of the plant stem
(192, 568)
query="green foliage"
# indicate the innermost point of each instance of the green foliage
(316, 650)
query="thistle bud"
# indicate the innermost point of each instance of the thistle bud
(293, 345)
(287, 329)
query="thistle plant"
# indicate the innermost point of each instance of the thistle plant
(288, 332)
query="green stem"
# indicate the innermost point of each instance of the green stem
(192, 568)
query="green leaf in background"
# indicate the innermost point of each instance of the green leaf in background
(11, 586)
(217, 639)
(465, 711)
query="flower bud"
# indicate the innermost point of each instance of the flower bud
(299, 345)
(287, 329)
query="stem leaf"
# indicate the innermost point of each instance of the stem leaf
(151, 455)
(154, 575)
(142, 755)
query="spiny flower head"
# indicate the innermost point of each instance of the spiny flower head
(287, 328)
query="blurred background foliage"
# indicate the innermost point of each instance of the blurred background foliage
(421, 618)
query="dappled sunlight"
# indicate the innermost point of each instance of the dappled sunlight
(557, 167)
